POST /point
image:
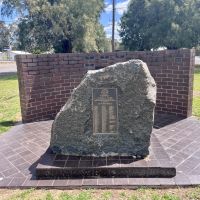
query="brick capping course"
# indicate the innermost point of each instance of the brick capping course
(46, 81)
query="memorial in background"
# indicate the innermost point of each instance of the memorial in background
(110, 113)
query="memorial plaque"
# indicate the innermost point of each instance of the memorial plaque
(105, 110)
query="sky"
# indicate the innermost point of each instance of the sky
(106, 16)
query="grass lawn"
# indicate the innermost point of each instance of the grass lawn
(139, 194)
(9, 102)
(196, 97)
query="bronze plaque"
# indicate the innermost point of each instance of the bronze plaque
(105, 110)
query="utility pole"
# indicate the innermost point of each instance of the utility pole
(113, 26)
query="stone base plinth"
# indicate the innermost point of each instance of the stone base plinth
(52, 166)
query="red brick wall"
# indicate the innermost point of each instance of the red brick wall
(46, 81)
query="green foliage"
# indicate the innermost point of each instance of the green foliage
(65, 196)
(106, 195)
(166, 196)
(64, 25)
(196, 96)
(170, 197)
(85, 195)
(49, 196)
(134, 197)
(150, 24)
(23, 195)
(123, 195)
(32, 39)
(155, 197)
(4, 36)
(194, 194)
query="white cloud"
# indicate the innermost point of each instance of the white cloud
(108, 30)
(106, 3)
(121, 7)
(108, 8)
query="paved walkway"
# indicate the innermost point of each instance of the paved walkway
(22, 146)
(197, 60)
(7, 68)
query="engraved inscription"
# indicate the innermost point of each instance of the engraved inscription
(105, 110)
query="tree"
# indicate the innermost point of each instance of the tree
(4, 36)
(64, 25)
(150, 24)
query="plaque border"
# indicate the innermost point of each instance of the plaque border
(117, 120)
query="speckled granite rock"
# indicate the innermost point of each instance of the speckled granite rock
(109, 113)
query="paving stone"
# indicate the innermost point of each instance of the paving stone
(5, 166)
(75, 182)
(60, 183)
(24, 140)
(136, 181)
(45, 183)
(197, 154)
(121, 181)
(167, 181)
(89, 182)
(17, 161)
(196, 170)
(17, 175)
(30, 183)
(16, 182)
(105, 181)
(181, 180)
(4, 182)
(151, 181)
(195, 179)
(9, 172)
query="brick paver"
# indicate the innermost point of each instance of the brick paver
(22, 146)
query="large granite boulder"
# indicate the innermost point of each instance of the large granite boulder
(110, 113)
